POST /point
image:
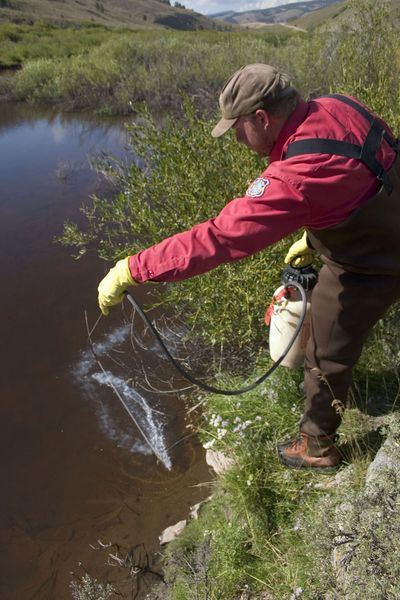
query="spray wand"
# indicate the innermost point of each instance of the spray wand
(301, 279)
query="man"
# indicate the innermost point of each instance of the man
(334, 170)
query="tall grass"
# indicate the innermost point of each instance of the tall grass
(259, 535)
(155, 67)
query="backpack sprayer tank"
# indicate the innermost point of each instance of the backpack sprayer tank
(284, 312)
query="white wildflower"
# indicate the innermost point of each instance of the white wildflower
(209, 444)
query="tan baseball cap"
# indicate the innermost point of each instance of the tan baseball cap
(251, 87)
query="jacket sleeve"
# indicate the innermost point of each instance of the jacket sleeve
(270, 210)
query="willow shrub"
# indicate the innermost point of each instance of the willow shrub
(182, 176)
(368, 58)
(38, 81)
(156, 67)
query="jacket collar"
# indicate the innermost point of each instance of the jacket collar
(292, 123)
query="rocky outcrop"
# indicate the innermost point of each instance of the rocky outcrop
(366, 554)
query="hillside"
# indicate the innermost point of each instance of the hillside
(338, 16)
(279, 14)
(111, 13)
(321, 16)
(299, 15)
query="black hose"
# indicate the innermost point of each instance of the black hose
(210, 388)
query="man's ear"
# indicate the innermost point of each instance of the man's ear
(262, 117)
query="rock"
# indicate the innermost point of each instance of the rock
(171, 533)
(195, 509)
(387, 458)
(298, 592)
(365, 555)
(218, 461)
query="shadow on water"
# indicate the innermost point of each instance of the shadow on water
(74, 468)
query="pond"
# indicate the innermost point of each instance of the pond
(77, 474)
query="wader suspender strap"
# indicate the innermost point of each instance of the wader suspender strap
(366, 153)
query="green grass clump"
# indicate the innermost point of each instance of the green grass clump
(20, 44)
(252, 502)
(269, 531)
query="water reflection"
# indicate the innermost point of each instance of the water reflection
(13, 115)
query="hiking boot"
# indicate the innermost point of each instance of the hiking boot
(308, 452)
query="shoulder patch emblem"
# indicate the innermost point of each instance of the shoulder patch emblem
(257, 188)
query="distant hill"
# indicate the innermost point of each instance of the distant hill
(112, 13)
(321, 16)
(298, 15)
(338, 15)
(278, 14)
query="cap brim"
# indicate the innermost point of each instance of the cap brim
(222, 127)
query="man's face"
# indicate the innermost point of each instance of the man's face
(257, 132)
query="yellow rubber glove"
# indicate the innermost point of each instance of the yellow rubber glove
(111, 288)
(300, 254)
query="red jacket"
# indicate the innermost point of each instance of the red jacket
(314, 191)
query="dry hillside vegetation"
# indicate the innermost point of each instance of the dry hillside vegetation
(122, 13)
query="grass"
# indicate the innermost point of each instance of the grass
(22, 43)
(108, 13)
(272, 531)
(134, 66)
(116, 71)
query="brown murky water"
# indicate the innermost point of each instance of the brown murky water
(74, 469)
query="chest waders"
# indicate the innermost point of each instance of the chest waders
(359, 281)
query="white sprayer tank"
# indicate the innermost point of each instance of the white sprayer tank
(282, 317)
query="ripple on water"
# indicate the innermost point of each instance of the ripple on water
(151, 422)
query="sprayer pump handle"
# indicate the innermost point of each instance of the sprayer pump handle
(306, 276)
